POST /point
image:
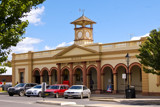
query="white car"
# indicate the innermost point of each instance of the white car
(34, 91)
(77, 91)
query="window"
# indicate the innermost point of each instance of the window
(21, 77)
(32, 85)
(84, 88)
(66, 87)
(62, 87)
(27, 85)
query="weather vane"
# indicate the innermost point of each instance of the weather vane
(82, 10)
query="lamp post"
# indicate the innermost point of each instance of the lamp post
(127, 59)
(130, 92)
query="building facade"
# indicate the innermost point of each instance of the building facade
(95, 65)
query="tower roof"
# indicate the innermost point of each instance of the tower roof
(83, 20)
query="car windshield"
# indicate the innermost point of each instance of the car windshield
(76, 87)
(54, 87)
(37, 86)
(20, 85)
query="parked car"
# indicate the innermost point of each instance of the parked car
(35, 91)
(77, 91)
(20, 89)
(56, 90)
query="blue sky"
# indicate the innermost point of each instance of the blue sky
(117, 20)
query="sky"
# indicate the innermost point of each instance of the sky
(116, 21)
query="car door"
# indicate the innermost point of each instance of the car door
(85, 91)
(64, 89)
(28, 86)
(61, 90)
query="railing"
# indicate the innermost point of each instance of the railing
(121, 45)
(21, 56)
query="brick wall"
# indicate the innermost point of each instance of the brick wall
(8, 78)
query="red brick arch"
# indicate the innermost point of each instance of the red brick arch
(36, 69)
(64, 69)
(91, 66)
(76, 67)
(43, 69)
(53, 68)
(118, 65)
(107, 65)
(134, 64)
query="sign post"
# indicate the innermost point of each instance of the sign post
(43, 89)
(124, 77)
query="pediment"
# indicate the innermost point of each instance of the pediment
(75, 50)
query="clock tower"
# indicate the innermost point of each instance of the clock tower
(83, 30)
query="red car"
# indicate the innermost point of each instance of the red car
(56, 90)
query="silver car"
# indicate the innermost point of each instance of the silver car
(77, 91)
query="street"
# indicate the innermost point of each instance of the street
(16, 101)
(7, 101)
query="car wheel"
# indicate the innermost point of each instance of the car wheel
(81, 96)
(39, 94)
(21, 93)
(56, 95)
(10, 94)
(89, 95)
(28, 96)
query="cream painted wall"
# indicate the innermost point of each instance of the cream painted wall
(114, 62)
(21, 56)
(25, 73)
(152, 83)
(76, 51)
(49, 53)
(96, 48)
(19, 63)
(49, 66)
(44, 61)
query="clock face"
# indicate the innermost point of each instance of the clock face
(79, 34)
(87, 35)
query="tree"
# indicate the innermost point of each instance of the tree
(150, 53)
(11, 26)
(8, 63)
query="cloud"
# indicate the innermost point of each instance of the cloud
(139, 37)
(63, 44)
(25, 45)
(34, 16)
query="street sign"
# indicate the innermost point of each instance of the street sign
(124, 76)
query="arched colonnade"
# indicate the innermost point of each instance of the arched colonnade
(95, 77)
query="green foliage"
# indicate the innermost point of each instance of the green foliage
(11, 26)
(8, 63)
(150, 53)
(3, 70)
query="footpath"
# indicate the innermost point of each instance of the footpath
(120, 99)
